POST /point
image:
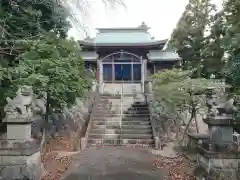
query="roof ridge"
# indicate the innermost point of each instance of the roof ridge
(132, 29)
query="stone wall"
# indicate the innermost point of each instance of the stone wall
(66, 129)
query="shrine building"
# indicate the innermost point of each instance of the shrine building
(128, 55)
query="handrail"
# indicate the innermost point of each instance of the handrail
(102, 88)
(144, 86)
(121, 106)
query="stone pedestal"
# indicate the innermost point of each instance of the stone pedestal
(18, 147)
(148, 87)
(19, 130)
(18, 142)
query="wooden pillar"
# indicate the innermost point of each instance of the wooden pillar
(100, 71)
(132, 72)
(113, 71)
(143, 74)
(97, 71)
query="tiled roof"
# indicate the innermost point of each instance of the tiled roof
(163, 55)
(123, 36)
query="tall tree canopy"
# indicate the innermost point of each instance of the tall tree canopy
(232, 37)
(188, 37)
(213, 49)
(24, 20)
(27, 19)
(203, 36)
(231, 41)
(54, 66)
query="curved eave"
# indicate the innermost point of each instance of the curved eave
(84, 43)
(89, 56)
(90, 60)
(163, 59)
(158, 55)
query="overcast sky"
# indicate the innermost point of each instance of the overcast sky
(160, 15)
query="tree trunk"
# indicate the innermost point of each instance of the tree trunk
(196, 121)
(189, 122)
(177, 128)
(199, 69)
(43, 146)
(45, 124)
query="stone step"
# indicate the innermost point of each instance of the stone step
(126, 111)
(139, 105)
(97, 146)
(110, 96)
(104, 100)
(131, 106)
(136, 112)
(98, 118)
(118, 104)
(102, 106)
(101, 110)
(120, 136)
(138, 127)
(123, 123)
(135, 108)
(121, 131)
(107, 111)
(99, 114)
(119, 142)
(123, 108)
(102, 114)
(101, 103)
(136, 115)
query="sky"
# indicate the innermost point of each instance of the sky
(160, 15)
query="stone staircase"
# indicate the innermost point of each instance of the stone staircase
(120, 121)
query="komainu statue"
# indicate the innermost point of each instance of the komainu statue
(21, 105)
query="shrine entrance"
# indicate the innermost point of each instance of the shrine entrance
(122, 67)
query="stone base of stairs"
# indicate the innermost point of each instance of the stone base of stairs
(119, 142)
(123, 131)
(121, 136)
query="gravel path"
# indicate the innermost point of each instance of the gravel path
(115, 163)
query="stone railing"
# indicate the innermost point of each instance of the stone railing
(148, 87)
(84, 138)
(149, 98)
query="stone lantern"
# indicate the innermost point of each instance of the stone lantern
(218, 156)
